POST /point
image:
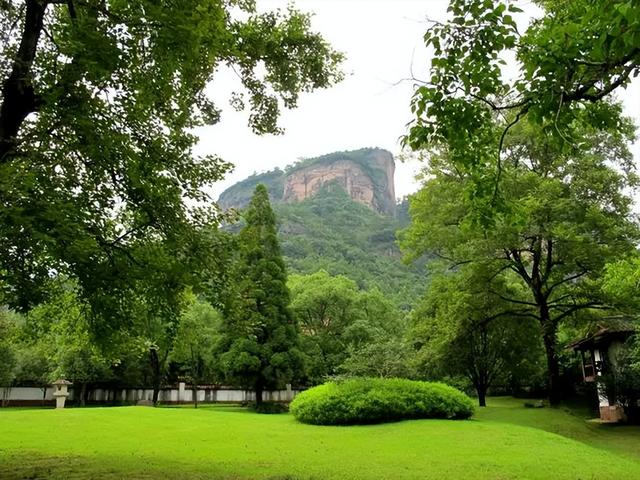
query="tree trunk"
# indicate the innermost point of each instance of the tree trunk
(195, 374)
(194, 388)
(259, 390)
(155, 368)
(553, 365)
(83, 394)
(482, 395)
(19, 98)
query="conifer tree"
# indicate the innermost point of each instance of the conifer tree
(260, 337)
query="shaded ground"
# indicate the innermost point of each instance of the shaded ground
(503, 441)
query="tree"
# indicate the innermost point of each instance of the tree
(153, 337)
(260, 337)
(565, 216)
(61, 327)
(375, 340)
(569, 60)
(151, 304)
(463, 328)
(7, 350)
(324, 307)
(196, 341)
(99, 101)
(378, 318)
(154, 301)
(54, 341)
(338, 319)
(382, 357)
(33, 365)
(621, 281)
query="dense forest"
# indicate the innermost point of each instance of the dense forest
(332, 232)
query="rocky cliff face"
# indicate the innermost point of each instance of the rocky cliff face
(366, 175)
(306, 183)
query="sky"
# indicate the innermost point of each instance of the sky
(384, 48)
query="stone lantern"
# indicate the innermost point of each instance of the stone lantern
(61, 392)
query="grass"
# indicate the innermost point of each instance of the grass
(503, 441)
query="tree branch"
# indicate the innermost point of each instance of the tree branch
(575, 308)
(500, 147)
(18, 96)
(565, 280)
(513, 300)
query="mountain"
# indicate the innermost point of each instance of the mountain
(366, 175)
(337, 212)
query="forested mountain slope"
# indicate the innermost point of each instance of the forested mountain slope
(330, 229)
(367, 175)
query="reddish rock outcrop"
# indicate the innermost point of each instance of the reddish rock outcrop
(367, 175)
(368, 182)
(350, 176)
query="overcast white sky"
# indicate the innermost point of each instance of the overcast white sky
(382, 40)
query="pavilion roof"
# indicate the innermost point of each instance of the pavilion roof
(609, 329)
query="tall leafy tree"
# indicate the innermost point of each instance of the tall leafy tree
(151, 300)
(99, 101)
(196, 341)
(156, 302)
(54, 341)
(388, 357)
(566, 215)
(61, 325)
(325, 308)
(8, 361)
(464, 328)
(569, 59)
(338, 320)
(260, 336)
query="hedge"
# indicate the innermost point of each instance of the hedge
(378, 400)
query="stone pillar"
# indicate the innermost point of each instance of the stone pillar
(181, 392)
(289, 393)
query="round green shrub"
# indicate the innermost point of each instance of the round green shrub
(378, 400)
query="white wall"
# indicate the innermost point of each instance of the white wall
(179, 394)
(29, 393)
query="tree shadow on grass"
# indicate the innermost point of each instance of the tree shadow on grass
(569, 420)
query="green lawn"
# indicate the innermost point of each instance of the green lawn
(504, 441)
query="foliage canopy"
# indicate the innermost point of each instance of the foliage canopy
(99, 102)
(340, 322)
(566, 215)
(464, 327)
(567, 62)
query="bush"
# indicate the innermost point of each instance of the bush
(270, 407)
(377, 400)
